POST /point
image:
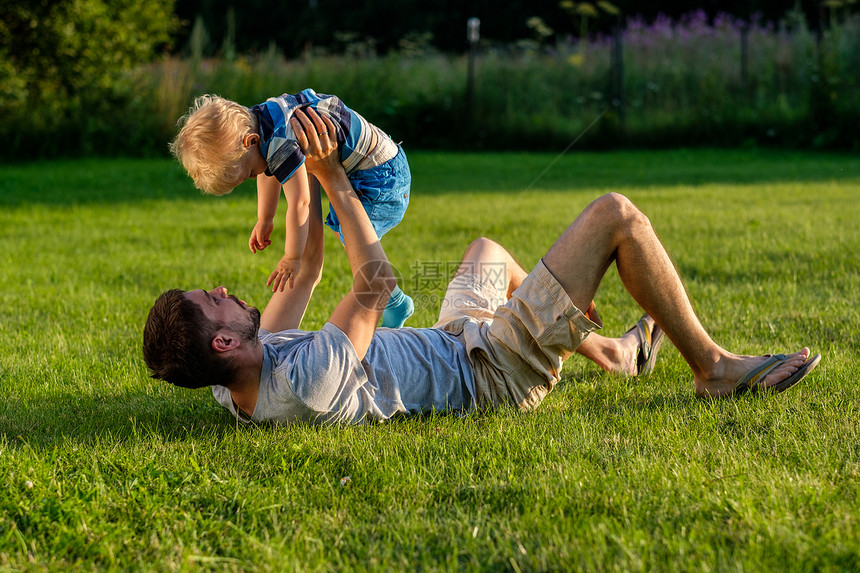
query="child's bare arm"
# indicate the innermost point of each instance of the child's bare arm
(314, 189)
(268, 191)
(298, 195)
(286, 308)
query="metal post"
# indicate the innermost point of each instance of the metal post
(822, 17)
(745, 33)
(617, 74)
(473, 34)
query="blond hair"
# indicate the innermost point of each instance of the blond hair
(209, 143)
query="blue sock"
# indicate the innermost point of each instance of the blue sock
(399, 308)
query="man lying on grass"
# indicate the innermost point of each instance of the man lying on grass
(496, 341)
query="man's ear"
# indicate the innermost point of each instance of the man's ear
(225, 340)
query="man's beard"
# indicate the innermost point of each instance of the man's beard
(248, 330)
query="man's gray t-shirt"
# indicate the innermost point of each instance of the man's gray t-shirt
(317, 376)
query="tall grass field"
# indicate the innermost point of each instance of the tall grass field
(693, 81)
(104, 468)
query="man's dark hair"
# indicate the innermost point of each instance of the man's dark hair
(177, 344)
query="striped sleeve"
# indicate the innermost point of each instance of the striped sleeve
(278, 142)
(283, 157)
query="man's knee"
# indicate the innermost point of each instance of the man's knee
(482, 248)
(614, 203)
(615, 207)
(482, 243)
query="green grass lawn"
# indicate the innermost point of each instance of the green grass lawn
(105, 468)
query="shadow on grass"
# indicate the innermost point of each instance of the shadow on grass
(633, 397)
(174, 416)
(177, 415)
(106, 181)
(89, 418)
(496, 173)
(114, 181)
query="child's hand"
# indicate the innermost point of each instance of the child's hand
(260, 236)
(285, 274)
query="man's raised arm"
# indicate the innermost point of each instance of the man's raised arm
(372, 279)
(287, 307)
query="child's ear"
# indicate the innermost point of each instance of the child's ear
(224, 341)
(250, 139)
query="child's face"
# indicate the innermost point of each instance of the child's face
(253, 163)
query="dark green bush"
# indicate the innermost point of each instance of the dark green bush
(62, 89)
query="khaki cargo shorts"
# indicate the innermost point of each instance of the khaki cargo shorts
(517, 346)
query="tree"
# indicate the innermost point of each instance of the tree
(61, 48)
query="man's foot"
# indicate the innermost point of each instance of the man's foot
(633, 354)
(736, 375)
(399, 308)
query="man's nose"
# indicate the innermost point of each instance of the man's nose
(220, 291)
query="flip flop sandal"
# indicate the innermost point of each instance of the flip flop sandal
(649, 344)
(752, 381)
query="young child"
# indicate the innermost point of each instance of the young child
(221, 144)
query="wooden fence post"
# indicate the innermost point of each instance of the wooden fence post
(473, 34)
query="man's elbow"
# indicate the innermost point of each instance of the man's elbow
(373, 294)
(382, 284)
(388, 285)
(375, 277)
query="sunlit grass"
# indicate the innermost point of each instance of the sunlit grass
(104, 468)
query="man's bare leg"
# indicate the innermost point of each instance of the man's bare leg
(616, 355)
(485, 255)
(612, 354)
(612, 229)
